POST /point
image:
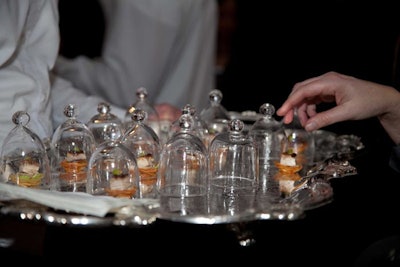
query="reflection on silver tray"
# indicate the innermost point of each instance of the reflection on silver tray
(332, 161)
(28, 210)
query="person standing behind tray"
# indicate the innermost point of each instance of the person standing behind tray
(29, 43)
(168, 47)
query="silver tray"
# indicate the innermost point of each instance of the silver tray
(332, 160)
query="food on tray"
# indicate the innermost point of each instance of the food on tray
(192, 168)
(145, 161)
(28, 174)
(74, 166)
(120, 185)
(287, 175)
(148, 173)
(298, 143)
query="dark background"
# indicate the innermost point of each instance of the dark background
(278, 44)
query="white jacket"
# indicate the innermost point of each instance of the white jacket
(168, 47)
(28, 49)
(29, 42)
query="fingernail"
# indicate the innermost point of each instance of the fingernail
(311, 126)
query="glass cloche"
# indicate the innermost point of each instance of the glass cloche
(105, 126)
(268, 133)
(113, 171)
(143, 142)
(182, 182)
(152, 119)
(299, 141)
(24, 160)
(72, 146)
(199, 127)
(215, 116)
(233, 170)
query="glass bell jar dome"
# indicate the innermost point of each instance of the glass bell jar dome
(215, 116)
(152, 118)
(182, 182)
(144, 143)
(24, 160)
(72, 146)
(105, 126)
(113, 172)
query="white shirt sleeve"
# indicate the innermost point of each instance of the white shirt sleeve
(29, 40)
(63, 93)
(168, 47)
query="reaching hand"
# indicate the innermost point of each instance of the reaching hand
(355, 99)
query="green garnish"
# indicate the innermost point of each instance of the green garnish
(76, 149)
(116, 172)
(25, 177)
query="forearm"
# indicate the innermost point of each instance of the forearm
(391, 124)
(390, 120)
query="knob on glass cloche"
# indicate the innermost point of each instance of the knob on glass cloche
(72, 145)
(24, 160)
